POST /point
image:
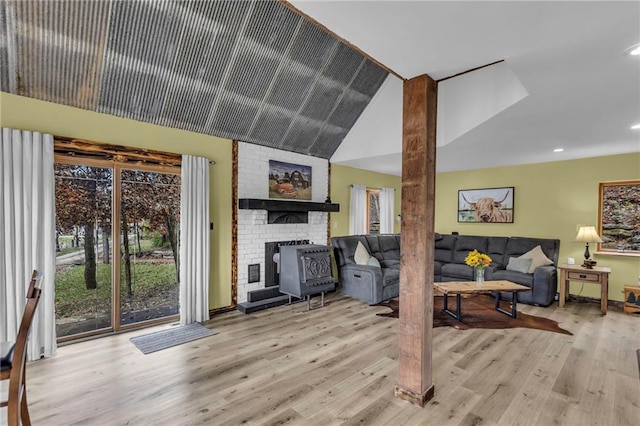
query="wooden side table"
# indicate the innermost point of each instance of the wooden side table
(597, 275)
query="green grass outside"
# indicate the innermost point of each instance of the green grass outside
(151, 280)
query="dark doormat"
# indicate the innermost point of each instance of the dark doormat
(478, 311)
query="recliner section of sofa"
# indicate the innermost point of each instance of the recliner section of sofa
(370, 284)
(373, 285)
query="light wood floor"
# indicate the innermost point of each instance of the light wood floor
(338, 365)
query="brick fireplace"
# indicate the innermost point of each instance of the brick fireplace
(254, 227)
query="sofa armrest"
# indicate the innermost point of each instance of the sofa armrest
(545, 285)
(362, 282)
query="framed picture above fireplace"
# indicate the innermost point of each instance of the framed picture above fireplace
(290, 181)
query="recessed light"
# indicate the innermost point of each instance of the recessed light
(635, 126)
(558, 150)
(633, 50)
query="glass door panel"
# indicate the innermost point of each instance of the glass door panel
(149, 223)
(83, 249)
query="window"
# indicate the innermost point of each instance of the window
(373, 211)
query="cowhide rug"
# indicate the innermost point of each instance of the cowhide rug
(478, 312)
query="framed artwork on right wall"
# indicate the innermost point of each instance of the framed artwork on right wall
(619, 217)
(487, 205)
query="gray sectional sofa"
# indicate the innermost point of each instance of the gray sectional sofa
(374, 284)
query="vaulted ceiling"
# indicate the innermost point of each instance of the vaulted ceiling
(570, 56)
(257, 71)
(249, 70)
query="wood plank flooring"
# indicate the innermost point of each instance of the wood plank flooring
(337, 365)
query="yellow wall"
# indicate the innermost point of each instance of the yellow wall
(29, 114)
(551, 200)
(341, 179)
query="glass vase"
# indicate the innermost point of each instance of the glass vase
(479, 276)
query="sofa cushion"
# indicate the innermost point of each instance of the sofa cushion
(361, 255)
(444, 248)
(496, 247)
(390, 277)
(467, 243)
(458, 271)
(537, 258)
(519, 264)
(517, 246)
(345, 248)
(393, 264)
(373, 262)
(389, 246)
(514, 276)
(374, 246)
(437, 268)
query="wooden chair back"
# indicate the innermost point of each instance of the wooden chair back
(36, 276)
(17, 410)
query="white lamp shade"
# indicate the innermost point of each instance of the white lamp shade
(588, 234)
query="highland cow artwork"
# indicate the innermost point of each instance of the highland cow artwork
(290, 181)
(491, 205)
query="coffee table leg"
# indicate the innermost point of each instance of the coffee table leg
(455, 315)
(514, 305)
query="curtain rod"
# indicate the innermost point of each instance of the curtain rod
(371, 187)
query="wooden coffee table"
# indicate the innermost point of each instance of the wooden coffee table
(470, 287)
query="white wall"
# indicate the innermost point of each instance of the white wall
(253, 230)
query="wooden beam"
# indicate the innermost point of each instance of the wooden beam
(118, 153)
(415, 329)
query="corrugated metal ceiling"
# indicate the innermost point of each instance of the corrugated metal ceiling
(249, 70)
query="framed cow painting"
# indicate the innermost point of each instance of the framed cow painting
(488, 205)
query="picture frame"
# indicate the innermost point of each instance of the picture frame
(289, 181)
(486, 205)
(618, 216)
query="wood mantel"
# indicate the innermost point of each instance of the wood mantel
(286, 206)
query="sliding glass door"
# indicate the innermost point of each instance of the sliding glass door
(101, 286)
(149, 221)
(83, 248)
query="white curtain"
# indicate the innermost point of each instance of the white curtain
(27, 224)
(358, 210)
(387, 203)
(194, 240)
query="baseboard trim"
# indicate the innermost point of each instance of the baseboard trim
(585, 299)
(222, 310)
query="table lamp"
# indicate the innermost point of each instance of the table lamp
(588, 234)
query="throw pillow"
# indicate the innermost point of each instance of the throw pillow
(537, 257)
(373, 262)
(361, 256)
(519, 264)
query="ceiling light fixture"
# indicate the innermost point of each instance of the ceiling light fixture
(635, 127)
(633, 50)
(558, 150)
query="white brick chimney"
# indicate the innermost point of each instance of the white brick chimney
(253, 229)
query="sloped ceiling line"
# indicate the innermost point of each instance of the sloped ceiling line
(329, 126)
(239, 43)
(248, 70)
(284, 61)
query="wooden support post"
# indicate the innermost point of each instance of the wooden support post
(415, 329)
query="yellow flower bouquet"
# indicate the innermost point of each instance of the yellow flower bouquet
(477, 260)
